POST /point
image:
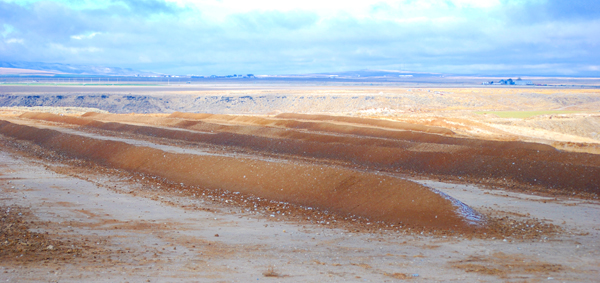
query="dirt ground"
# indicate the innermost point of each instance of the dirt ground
(72, 214)
(121, 230)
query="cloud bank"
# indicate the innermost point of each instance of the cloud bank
(535, 37)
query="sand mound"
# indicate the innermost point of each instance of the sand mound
(340, 191)
(527, 163)
(320, 126)
(369, 122)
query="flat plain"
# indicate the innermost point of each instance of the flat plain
(299, 182)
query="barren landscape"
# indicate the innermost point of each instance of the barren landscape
(297, 182)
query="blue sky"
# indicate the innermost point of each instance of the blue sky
(203, 37)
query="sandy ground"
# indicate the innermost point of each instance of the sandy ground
(137, 233)
(73, 220)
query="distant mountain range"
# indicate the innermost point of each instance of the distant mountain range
(58, 69)
(378, 73)
(367, 73)
(49, 69)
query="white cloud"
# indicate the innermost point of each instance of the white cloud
(85, 36)
(593, 68)
(75, 50)
(219, 37)
(144, 59)
(218, 10)
(7, 30)
(15, 40)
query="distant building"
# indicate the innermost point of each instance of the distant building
(506, 82)
(519, 81)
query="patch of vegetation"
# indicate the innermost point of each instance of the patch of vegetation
(272, 273)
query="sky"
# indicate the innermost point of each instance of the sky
(220, 37)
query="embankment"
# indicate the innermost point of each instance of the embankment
(291, 121)
(369, 122)
(414, 133)
(529, 164)
(340, 191)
